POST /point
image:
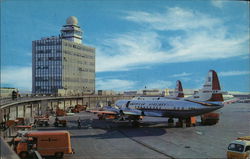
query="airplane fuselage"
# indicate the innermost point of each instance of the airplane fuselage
(166, 108)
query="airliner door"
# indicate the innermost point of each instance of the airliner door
(127, 104)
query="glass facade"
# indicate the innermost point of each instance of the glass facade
(63, 64)
(47, 66)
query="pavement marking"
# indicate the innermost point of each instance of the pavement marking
(199, 132)
(145, 145)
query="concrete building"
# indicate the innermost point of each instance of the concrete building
(152, 92)
(63, 65)
(106, 92)
(6, 92)
(131, 93)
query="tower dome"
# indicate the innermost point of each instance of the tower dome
(72, 20)
(71, 31)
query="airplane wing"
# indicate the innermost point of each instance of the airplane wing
(103, 112)
(132, 112)
(137, 112)
(106, 110)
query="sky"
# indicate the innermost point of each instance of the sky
(138, 43)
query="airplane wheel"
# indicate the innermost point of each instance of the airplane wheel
(100, 118)
(59, 154)
(170, 120)
(56, 124)
(23, 155)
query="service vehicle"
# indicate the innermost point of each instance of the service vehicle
(239, 148)
(42, 121)
(47, 143)
(60, 112)
(60, 122)
(211, 118)
(78, 108)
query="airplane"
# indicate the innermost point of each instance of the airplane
(177, 94)
(207, 100)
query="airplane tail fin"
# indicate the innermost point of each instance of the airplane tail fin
(211, 90)
(179, 90)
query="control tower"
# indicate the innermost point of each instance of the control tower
(62, 64)
(72, 31)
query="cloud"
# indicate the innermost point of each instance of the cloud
(183, 74)
(17, 77)
(234, 73)
(160, 84)
(114, 84)
(199, 38)
(175, 18)
(218, 3)
(127, 51)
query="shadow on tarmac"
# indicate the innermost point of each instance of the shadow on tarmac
(119, 133)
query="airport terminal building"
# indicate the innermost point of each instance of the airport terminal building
(63, 65)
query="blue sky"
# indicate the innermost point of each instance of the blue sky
(138, 43)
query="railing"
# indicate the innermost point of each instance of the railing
(4, 102)
(9, 100)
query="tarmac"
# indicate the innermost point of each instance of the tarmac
(104, 139)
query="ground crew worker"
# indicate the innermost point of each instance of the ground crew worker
(79, 122)
(56, 122)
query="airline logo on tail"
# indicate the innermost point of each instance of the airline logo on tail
(179, 89)
(211, 90)
(216, 90)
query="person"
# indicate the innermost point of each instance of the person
(35, 122)
(79, 122)
(56, 122)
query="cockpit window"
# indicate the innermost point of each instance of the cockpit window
(247, 148)
(236, 147)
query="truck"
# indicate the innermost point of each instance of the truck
(210, 118)
(239, 148)
(78, 108)
(60, 112)
(60, 122)
(47, 143)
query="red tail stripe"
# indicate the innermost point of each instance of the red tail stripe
(180, 86)
(216, 84)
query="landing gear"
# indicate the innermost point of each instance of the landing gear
(179, 123)
(23, 154)
(135, 122)
(59, 154)
(191, 121)
(170, 122)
